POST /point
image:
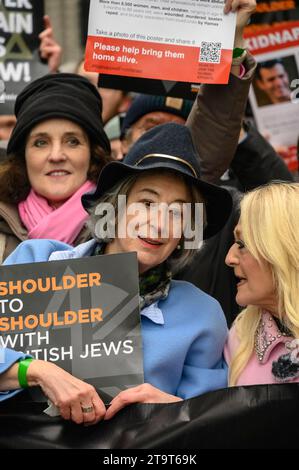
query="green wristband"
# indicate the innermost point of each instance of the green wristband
(237, 52)
(22, 372)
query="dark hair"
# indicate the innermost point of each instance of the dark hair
(269, 64)
(14, 181)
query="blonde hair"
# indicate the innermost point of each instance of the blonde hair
(270, 229)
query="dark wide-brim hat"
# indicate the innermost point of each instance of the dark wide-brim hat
(59, 96)
(168, 147)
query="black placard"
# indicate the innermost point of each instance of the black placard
(81, 314)
(21, 21)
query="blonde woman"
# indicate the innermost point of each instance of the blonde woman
(263, 343)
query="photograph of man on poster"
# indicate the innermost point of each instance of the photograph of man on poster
(272, 81)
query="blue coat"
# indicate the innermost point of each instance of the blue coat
(183, 335)
(7, 359)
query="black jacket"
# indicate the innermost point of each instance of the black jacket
(255, 163)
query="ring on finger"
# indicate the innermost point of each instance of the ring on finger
(87, 409)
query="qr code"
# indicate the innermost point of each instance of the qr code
(210, 52)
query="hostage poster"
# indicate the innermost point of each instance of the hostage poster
(185, 41)
(21, 21)
(81, 314)
(273, 38)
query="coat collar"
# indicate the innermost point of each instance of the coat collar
(268, 336)
(12, 223)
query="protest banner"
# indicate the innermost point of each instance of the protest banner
(273, 38)
(172, 88)
(81, 314)
(187, 42)
(248, 417)
(272, 13)
(20, 23)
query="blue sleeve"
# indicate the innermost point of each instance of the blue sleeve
(31, 251)
(34, 251)
(8, 358)
(205, 369)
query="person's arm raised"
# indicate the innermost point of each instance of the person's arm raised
(244, 10)
(216, 116)
(49, 48)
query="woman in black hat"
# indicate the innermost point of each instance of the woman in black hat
(55, 154)
(183, 329)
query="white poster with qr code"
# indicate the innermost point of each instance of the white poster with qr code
(183, 41)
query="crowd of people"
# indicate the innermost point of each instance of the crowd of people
(223, 314)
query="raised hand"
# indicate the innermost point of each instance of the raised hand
(244, 10)
(49, 47)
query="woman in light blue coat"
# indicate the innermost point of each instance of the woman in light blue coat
(183, 329)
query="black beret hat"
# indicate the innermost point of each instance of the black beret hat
(168, 146)
(145, 104)
(64, 96)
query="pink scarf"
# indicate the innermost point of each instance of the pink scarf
(63, 224)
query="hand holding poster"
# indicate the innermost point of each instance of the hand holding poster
(20, 23)
(81, 314)
(183, 41)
